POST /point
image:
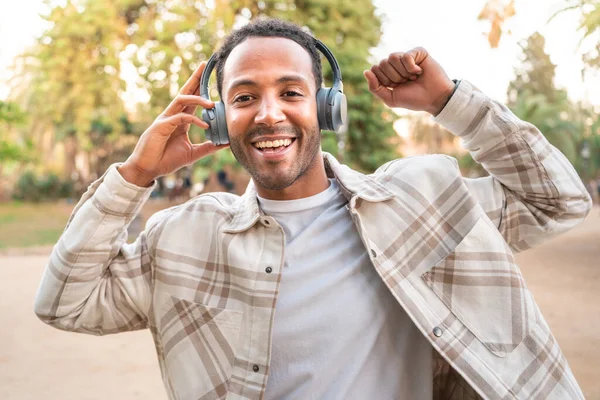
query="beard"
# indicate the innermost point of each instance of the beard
(274, 176)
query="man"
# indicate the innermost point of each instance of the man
(321, 282)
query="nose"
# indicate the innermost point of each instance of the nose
(270, 112)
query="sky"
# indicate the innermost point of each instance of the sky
(449, 30)
(451, 33)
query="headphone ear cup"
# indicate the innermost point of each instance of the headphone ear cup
(209, 116)
(222, 133)
(331, 117)
(217, 125)
(322, 108)
(339, 111)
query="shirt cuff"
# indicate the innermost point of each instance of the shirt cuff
(462, 109)
(118, 197)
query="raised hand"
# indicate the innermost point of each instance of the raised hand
(165, 146)
(412, 80)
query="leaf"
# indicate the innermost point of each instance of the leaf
(497, 12)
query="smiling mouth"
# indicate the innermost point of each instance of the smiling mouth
(273, 146)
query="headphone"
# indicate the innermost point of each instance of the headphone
(331, 102)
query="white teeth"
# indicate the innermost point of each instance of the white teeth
(274, 143)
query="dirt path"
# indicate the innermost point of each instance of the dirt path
(37, 361)
(564, 276)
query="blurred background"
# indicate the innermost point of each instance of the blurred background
(80, 80)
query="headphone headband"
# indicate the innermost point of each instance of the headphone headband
(335, 67)
(206, 75)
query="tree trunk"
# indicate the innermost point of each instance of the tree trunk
(71, 158)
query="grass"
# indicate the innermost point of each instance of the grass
(26, 225)
(29, 224)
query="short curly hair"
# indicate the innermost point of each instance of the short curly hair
(269, 27)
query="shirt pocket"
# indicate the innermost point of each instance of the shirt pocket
(482, 286)
(199, 347)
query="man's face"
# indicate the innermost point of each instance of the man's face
(269, 94)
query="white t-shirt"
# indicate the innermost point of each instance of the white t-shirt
(338, 332)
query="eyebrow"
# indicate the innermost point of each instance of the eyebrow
(283, 79)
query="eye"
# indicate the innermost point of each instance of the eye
(291, 93)
(243, 98)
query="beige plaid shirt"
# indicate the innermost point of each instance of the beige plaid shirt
(204, 276)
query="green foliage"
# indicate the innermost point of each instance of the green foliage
(590, 21)
(172, 38)
(72, 82)
(11, 152)
(535, 75)
(589, 26)
(31, 187)
(533, 97)
(593, 168)
(11, 114)
(75, 67)
(588, 142)
(471, 167)
(552, 119)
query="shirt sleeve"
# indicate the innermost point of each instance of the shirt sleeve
(533, 192)
(94, 281)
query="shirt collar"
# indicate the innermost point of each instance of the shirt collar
(352, 183)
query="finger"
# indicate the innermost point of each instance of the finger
(182, 119)
(181, 101)
(411, 59)
(376, 88)
(192, 109)
(381, 77)
(189, 109)
(192, 84)
(391, 72)
(396, 63)
(205, 149)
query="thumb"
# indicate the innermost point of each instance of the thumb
(376, 88)
(202, 150)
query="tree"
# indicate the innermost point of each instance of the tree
(534, 98)
(532, 95)
(72, 84)
(552, 119)
(173, 37)
(535, 75)
(496, 12)
(11, 151)
(587, 119)
(589, 26)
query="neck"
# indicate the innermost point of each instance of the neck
(312, 182)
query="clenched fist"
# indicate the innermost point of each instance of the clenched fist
(412, 80)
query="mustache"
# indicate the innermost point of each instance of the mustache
(261, 131)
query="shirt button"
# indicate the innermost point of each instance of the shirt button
(268, 270)
(437, 331)
(255, 368)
